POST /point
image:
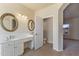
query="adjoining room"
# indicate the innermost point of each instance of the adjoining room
(71, 29)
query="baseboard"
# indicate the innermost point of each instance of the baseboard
(57, 50)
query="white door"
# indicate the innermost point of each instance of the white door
(38, 33)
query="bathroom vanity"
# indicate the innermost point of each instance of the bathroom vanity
(15, 46)
(14, 36)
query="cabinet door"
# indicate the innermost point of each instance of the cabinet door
(8, 49)
(18, 47)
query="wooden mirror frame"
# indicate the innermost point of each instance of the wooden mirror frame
(32, 25)
(2, 18)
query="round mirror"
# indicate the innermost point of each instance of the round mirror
(9, 22)
(31, 25)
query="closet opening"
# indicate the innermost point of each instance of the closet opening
(48, 31)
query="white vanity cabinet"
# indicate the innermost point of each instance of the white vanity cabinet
(11, 48)
(15, 47)
(7, 49)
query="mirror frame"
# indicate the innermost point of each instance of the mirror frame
(33, 25)
(2, 24)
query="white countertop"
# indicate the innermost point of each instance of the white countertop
(24, 38)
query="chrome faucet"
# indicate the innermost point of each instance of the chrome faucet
(10, 37)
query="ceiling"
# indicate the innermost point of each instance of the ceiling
(37, 6)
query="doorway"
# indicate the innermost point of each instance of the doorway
(71, 27)
(43, 37)
(48, 30)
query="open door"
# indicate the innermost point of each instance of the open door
(38, 33)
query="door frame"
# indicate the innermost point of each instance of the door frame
(60, 23)
(43, 28)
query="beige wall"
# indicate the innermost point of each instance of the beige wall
(74, 28)
(50, 30)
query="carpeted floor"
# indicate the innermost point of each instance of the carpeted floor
(71, 48)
